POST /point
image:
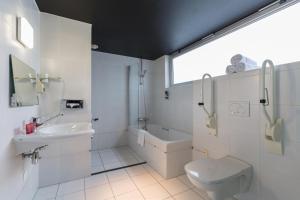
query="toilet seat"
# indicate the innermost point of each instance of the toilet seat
(212, 171)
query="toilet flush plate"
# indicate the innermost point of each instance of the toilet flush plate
(239, 108)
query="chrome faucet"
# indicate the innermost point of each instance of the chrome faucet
(38, 121)
(143, 120)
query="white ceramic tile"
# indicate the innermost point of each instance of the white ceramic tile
(136, 170)
(98, 168)
(201, 192)
(188, 195)
(95, 159)
(46, 192)
(291, 120)
(52, 167)
(284, 165)
(106, 158)
(155, 191)
(245, 145)
(154, 173)
(174, 186)
(272, 186)
(288, 83)
(102, 192)
(238, 92)
(72, 196)
(134, 195)
(52, 150)
(185, 180)
(143, 180)
(117, 175)
(74, 166)
(112, 165)
(70, 187)
(95, 180)
(122, 186)
(81, 143)
(239, 123)
(128, 161)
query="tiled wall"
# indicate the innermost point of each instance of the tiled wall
(66, 53)
(176, 112)
(275, 177)
(110, 97)
(65, 160)
(18, 178)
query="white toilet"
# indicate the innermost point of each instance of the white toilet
(221, 178)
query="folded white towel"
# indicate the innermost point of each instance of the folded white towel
(241, 67)
(239, 58)
(141, 138)
(231, 69)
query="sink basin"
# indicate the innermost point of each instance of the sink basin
(46, 134)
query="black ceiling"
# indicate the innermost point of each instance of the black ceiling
(151, 28)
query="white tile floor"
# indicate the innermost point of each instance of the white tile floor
(113, 158)
(135, 183)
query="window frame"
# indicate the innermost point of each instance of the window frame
(267, 11)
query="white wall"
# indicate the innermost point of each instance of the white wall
(176, 112)
(110, 100)
(275, 177)
(66, 53)
(18, 178)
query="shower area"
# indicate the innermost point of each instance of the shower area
(119, 100)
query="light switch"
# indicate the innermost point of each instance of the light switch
(239, 108)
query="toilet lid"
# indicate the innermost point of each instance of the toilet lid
(215, 170)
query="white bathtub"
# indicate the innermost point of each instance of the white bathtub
(166, 150)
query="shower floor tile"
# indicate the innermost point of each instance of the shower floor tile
(113, 158)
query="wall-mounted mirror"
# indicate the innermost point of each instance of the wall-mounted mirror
(22, 84)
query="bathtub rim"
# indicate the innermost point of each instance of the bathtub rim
(190, 137)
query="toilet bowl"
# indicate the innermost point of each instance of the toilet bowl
(221, 178)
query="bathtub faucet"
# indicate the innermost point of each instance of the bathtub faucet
(144, 120)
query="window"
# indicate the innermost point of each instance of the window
(275, 37)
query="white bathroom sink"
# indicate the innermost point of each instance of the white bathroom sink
(46, 134)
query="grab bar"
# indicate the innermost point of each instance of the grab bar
(211, 122)
(273, 132)
(211, 112)
(265, 100)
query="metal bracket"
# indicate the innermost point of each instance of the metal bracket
(200, 104)
(266, 101)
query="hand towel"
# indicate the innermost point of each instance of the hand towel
(141, 138)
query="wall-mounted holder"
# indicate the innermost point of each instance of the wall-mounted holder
(211, 121)
(273, 137)
(273, 130)
(74, 104)
(38, 80)
(44, 79)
